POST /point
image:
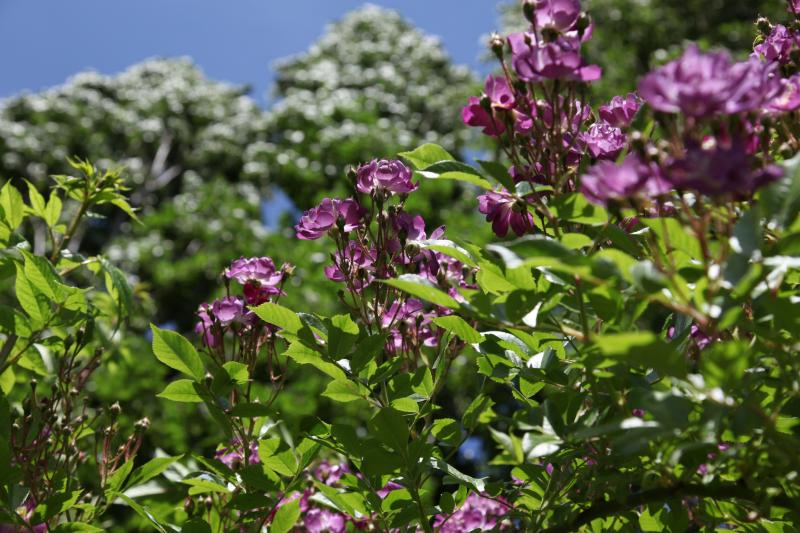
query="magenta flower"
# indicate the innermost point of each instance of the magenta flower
(719, 168)
(329, 213)
(232, 455)
(619, 112)
(317, 520)
(258, 276)
(789, 97)
(603, 141)
(607, 181)
(503, 209)
(701, 85)
(536, 60)
(478, 513)
(499, 92)
(558, 15)
(387, 174)
(778, 45)
(474, 114)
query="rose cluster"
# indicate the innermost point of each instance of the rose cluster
(260, 282)
(377, 240)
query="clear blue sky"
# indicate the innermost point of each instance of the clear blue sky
(43, 42)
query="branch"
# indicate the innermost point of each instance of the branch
(727, 491)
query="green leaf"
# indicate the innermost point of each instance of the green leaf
(574, 207)
(426, 155)
(451, 249)
(458, 327)
(182, 390)
(389, 427)
(280, 316)
(115, 480)
(142, 511)
(55, 505)
(498, 172)
(420, 287)
(473, 414)
(52, 211)
(237, 372)
(202, 485)
(474, 483)
(342, 335)
(36, 200)
(643, 348)
(12, 205)
(304, 355)
(343, 391)
(176, 352)
(286, 517)
(446, 430)
(149, 470)
(724, 363)
(32, 301)
(367, 350)
(42, 275)
(458, 176)
(118, 287)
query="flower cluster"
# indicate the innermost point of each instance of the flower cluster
(479, 512)
(260, 282)
(377, 240)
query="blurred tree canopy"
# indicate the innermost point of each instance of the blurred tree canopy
(631, 36)
(202, 156)
(371, 86)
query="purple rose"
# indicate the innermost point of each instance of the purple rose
(716, 168)
(558, 15)
(619, 112)
(789, 97)
(503, 209)
(603, 141)
(478, 513)
(499, 92)
(233, 455)
(258, 276)
(319, 220)
(778, 45)
(701, 85)
(607, 181)
(387, 174)
(475, 115)
(317, 520)
(536, 60)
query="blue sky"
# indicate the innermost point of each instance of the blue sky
(43, 42)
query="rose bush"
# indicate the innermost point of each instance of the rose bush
(630, 344)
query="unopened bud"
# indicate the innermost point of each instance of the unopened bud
(583, 23)
(142, 424)
(529, 10)
(497, 45)
(115, 409)
(188, 505)
(764, 26)
(352, 174)
(209, 379)
(208, 502)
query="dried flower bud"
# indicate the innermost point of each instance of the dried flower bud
(764, 26)
(497, 45)
(188, 505)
